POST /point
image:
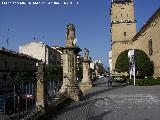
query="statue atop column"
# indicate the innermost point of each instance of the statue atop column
(86, 54)
(70, 36)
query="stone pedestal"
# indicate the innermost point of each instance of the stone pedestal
(41, 86)
(74, 93)
(86, 81)
(84, 86)
(70, 85)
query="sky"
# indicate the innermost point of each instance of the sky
(20, 24)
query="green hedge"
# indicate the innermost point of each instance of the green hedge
(146, 82)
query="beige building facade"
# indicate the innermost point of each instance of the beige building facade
(124, 36)
(148, 40)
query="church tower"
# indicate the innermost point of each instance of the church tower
(123, 26)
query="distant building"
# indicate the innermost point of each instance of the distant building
(11, 63)
(97, 67)
(57, 48)
(92, 65)
(42, 52)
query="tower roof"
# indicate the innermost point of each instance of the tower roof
(121, 1)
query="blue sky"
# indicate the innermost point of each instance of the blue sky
(47, 23)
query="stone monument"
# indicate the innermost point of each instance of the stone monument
(70, 52)
(41, 85)
(86, 81)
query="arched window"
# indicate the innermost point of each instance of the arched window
(150, 48)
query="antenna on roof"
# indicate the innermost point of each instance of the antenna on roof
(7, 40)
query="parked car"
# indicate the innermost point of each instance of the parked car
(101, 77)
(118, 78)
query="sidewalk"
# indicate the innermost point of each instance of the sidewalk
(115, 103)
(82, 110)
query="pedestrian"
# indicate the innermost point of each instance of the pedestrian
(110, 79)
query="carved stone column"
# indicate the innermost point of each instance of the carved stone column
(86, 81)
(41, 85)
(70, 53)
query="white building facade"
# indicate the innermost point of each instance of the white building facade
(42, 52)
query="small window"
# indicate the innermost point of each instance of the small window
(125, 33)
(150, 48)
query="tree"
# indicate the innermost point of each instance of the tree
(144, 66)
(23, 77)
(122, 62)
(54, 72)
(54, 76)
(100, 68)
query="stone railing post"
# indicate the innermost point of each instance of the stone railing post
(86, 82)
(41, 92)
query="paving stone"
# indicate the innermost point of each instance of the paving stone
(115, 103)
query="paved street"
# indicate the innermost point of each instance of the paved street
(117, 103)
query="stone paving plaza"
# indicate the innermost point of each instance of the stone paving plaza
(116, 103)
